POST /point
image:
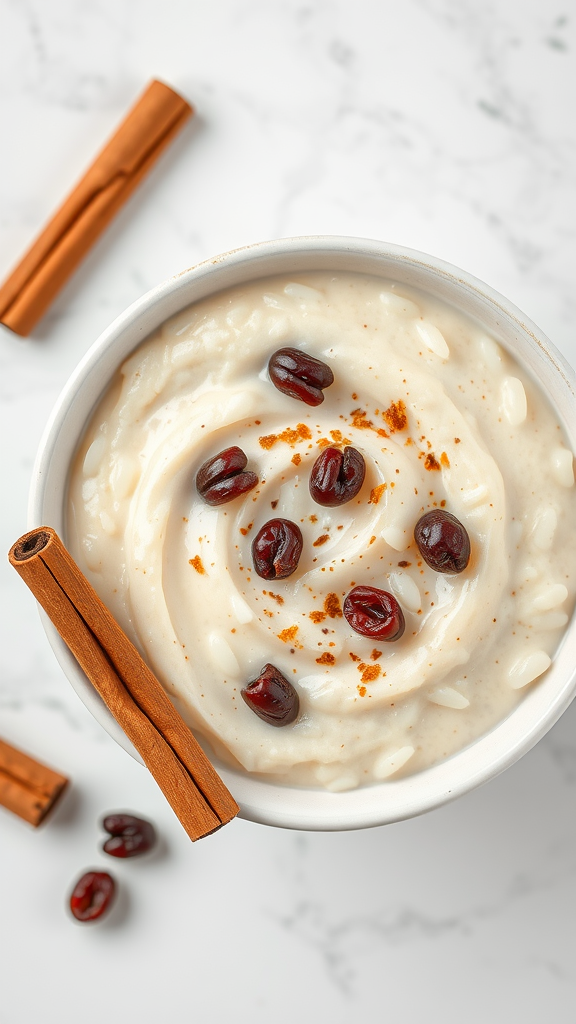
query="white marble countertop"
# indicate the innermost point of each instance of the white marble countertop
(444, 125)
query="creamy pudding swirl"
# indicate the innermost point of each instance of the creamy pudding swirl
(444, 420)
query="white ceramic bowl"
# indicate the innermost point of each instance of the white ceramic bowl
(540, 708)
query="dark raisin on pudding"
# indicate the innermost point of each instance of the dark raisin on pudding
(337, 476)
(374, 613)
(442, 541)
(272, 697)
(129, 836)
(299, 375)
(276, 549)
(92, 895)
(222, 478)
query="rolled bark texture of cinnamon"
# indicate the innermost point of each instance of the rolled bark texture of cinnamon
(126, 684)
(27, 787)
(149, 127)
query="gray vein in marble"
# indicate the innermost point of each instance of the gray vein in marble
(341, 942)
(49, 75)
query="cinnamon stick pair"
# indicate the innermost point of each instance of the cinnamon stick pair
(124, 681)
(27, 787)
(149, 127)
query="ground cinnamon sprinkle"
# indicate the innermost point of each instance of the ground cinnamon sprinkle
(296, 459)
(369, 672)
(337, 437)
(289, 436)
(430, 462)
(376, 654)
(326, 659)
(267, 441)
(323, 442)
(361, 690)
(332, 606)
(359, 420)
(317, 616)
(196, 563)
(321, 540)
(354, 657)
(376, 493)
(288, 635)
(445, 460)
(276, 597)
(396, 417)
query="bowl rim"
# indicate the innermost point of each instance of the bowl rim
(260, 800)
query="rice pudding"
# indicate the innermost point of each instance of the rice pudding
(444, 419)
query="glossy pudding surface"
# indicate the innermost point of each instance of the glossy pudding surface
(445, 421)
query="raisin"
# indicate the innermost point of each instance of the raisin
(92, 895)
(442, 541)
(276, 549)
(130, 836)
(337, 476)
(299, 375)
(272, 697)
(221, 478)
(374, 613)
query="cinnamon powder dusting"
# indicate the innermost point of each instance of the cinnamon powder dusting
(445, 461)
(296, 459)
(332, 606)
(326, 659)
(369, 672)
(396, 417)
(321, 540)
(288, 636)
(196, 563)
(430, 462)
(376, 493)
(267, 441)
(289, 436)
(360, 421)
(317, 616)
(361, 690)
(338, 439)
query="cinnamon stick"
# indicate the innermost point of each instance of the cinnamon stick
(125, 682)
(149, 127)
(27, 787)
